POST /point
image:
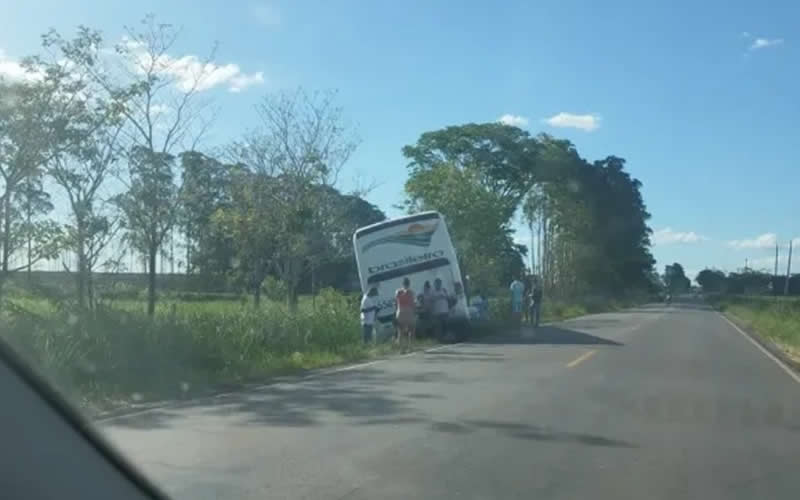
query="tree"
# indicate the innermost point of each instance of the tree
(149, 208)
(712, 280)
(500, 158)
(591, 224)
(675, 278)
(476, 175)
(331, 262)
(206, 189)
(37, 120)
(81, 171)
(478, 219)
(157, 97)
(300, 148)
(33, 202)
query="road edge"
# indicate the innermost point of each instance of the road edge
(769, 348)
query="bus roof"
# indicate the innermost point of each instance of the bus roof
(396, 222)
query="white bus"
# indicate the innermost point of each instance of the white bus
(418, 247)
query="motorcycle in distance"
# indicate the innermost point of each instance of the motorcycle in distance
(668, 299)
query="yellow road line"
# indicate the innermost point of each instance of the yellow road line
(580, 359)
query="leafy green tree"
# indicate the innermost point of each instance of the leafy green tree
(299, 150)
(149, 208)
(39, 117)
(712, 280)
(502, 159)
(590, 222)
(206, 189)
(81, 172)
(158, 101)
(675, 278)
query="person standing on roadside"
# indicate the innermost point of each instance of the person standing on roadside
(369, 309)
(426, 307)
(406, 315)
(441, 308)
(536, 302)
(517, 289)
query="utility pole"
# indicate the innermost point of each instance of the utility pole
(788, 270)
(776, 260)
(775, 274)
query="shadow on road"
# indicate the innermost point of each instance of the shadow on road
(548, 335)
(536, 433)
(367, 395)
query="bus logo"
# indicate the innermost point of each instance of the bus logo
(418, 235)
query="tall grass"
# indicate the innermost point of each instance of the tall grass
(116, 353)
(776, 318)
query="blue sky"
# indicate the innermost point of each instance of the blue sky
(701, 98)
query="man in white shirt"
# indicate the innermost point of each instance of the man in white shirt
(369, 309)
(441, 307)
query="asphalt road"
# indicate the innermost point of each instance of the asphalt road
(657, 402)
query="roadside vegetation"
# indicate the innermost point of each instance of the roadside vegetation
(774, 318)
(238, 258)
(118, 355)
(765, 302)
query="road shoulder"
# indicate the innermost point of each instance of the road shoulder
(772, 350)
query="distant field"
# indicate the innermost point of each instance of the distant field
(775, 318)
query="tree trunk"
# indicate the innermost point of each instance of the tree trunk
(30, 253)
(188, 250)
(6, 230)
(292, 296)
(313, 287)
(90, 289)
(257, 295)
(151, 282)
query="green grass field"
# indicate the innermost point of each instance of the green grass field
(777, 319)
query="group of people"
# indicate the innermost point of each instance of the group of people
(432, 306)
(526, 301)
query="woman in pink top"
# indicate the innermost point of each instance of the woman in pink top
(406, 315)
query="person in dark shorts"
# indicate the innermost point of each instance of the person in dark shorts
(535, 303)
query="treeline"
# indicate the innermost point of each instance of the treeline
(589, 218)
(747, 281)
(116, 130)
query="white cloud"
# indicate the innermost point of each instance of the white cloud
(766, 240)
(763, 43)
(266, 14)
(513, 120)
(667, 236)
(190, 72)
(13, 71)
(242, 81)
(588, 122)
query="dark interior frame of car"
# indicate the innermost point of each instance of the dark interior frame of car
(51, 451)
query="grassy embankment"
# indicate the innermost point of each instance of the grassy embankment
(774, 318)
(116, 356)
